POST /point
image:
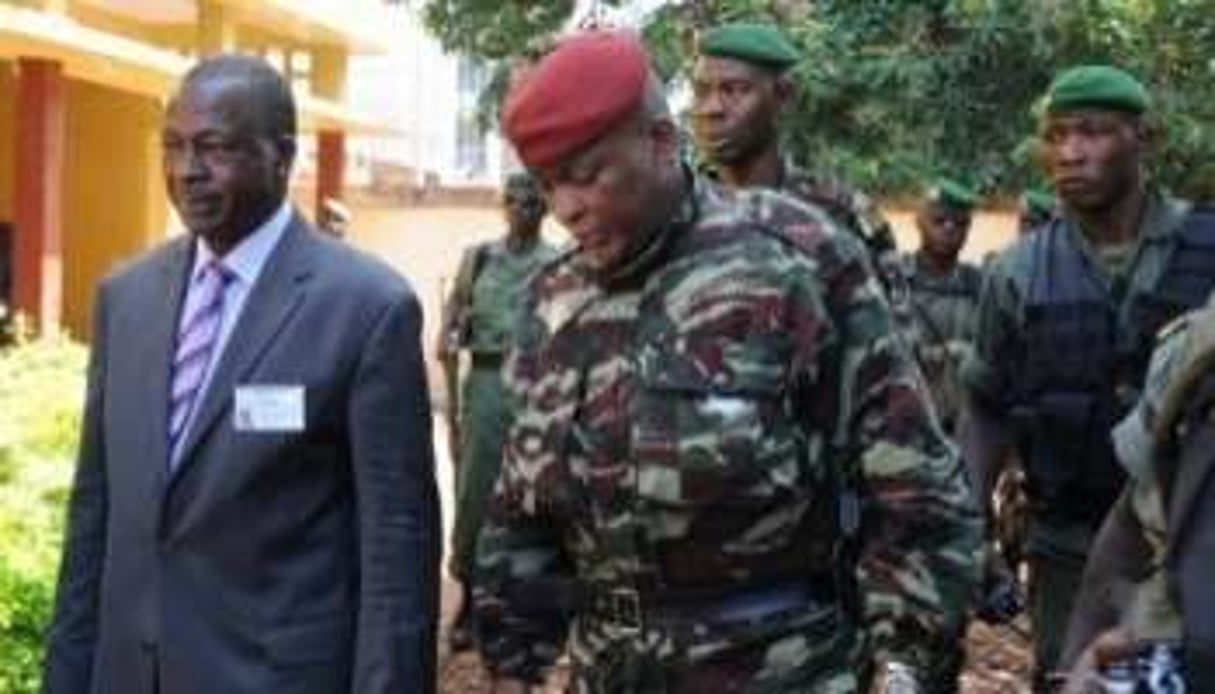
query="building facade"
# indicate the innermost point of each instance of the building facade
(83, 85)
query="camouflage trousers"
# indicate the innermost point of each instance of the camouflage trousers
(483, 420)
(809, 652)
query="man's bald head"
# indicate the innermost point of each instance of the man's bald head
(270, 105)
(228, 145)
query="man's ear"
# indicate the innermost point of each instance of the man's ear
(783, 92)
(285, 148)
(1146, 132)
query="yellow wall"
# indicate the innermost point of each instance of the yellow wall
(8, 99)
(114, 203)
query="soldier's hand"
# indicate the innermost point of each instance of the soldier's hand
(1109, 647)
(898, 678)
(510, 686)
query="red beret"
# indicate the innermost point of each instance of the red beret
(574, 95)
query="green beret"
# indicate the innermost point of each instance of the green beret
(1038, 202)
(762, 44)
(1095, 86)
(950, 193)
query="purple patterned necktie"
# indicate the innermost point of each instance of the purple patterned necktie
(195, 343)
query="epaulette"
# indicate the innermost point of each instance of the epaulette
(1195, 363)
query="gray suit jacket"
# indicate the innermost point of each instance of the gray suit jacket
(265, 562)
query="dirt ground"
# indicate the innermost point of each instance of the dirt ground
(425, 244)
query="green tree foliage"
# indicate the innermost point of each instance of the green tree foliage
(895, 90)
(41, 389)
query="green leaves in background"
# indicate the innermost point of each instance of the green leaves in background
(41, 392)
(892, 91)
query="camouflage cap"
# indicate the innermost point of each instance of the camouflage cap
(1095, 86)
(762, 44)
(948, 192)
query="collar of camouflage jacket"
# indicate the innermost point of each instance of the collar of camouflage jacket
(651, 245)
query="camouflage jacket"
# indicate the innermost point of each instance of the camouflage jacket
(682, 430)
(855, 212)
(850, 208)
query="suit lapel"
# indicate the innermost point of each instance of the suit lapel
(157, 331)
(274, 297)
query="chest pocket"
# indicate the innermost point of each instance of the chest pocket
(710, 425)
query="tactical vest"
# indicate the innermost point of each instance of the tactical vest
(1079, 371)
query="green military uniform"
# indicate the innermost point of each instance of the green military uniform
(945, 310)
(1058, 541)
(1179, 411)
(939, 326)
(942, 308)
(682, 431)
(1151, 613)
(485, 304)
(943, 317)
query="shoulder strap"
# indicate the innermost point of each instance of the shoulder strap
(480, 257)
(1196, 363)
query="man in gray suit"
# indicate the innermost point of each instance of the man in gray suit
(254, 508)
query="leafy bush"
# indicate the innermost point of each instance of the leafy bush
(41, 387)
(895, 91)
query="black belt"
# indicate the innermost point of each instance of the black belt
(487, 360)
(629, 609)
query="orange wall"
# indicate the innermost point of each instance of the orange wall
(114, 205)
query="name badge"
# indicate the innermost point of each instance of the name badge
(269, 408)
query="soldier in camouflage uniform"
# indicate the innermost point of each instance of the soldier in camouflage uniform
(479, 318)
(1135, 583)
(943, 293)
(1067, 319)
(740, 89)
(707, 392)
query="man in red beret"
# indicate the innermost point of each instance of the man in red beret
(722, 473)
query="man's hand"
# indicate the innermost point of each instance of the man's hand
(1110, 647)
(898, 678)
(449, 359)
